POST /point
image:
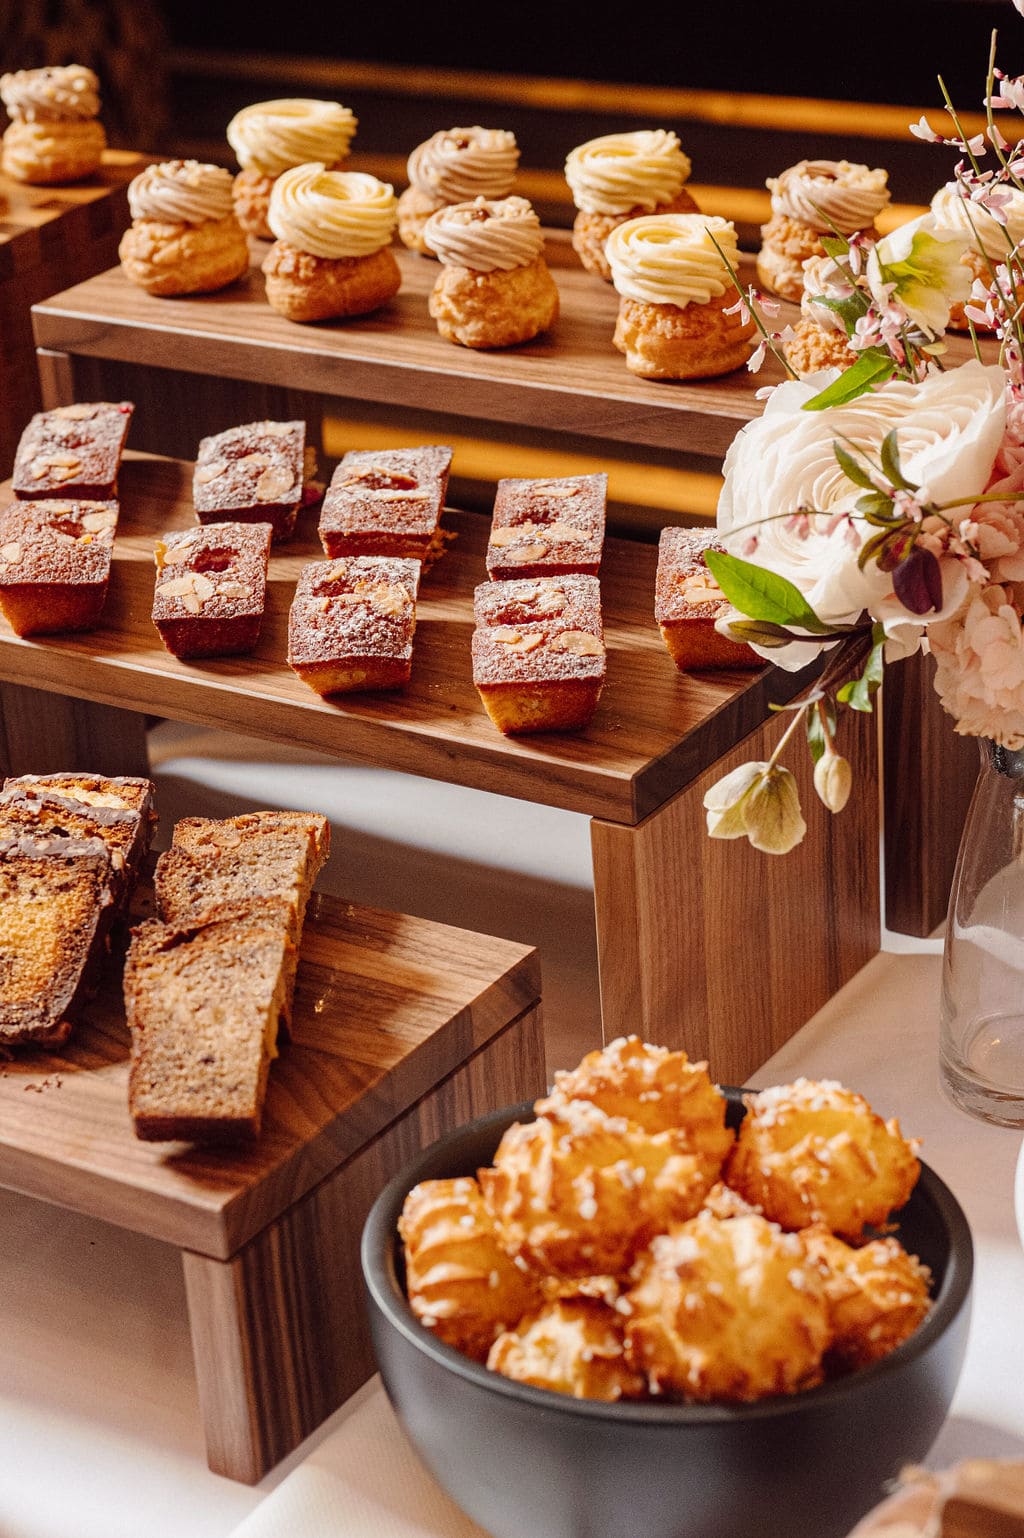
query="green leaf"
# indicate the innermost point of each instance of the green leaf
(852, 469)
(850, 309)
(835, 247)
(761, 632)
(870, 550)
(762, 594)
(858, 692)
(815, 731)
(891, 463)
(877, 509)
(872, 368)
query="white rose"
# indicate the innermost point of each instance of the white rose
(949, 430)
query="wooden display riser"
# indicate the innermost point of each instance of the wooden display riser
(674, 911)
(402, 1029)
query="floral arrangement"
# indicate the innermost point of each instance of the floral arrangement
(877, 510)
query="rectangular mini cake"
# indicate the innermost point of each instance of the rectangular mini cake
(385, 501)
(538, 652)
(688, 601)
(351, 623)
(211, 588)
(545, 528)
(55, 564)
(252, 474)
(73, 451)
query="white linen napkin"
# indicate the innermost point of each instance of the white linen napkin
(363, 1481)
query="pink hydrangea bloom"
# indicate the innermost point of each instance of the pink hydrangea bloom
(980, 666)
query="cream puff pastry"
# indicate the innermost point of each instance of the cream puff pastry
(494, 288)
(812, 199)
(332, 256)
(273, 136)
(184, 237)
(54, 134)
(620, 177)
(455, 165)
(676, 293)
(991, 239)
(819, 337)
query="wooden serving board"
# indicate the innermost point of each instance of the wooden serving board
(654, 732)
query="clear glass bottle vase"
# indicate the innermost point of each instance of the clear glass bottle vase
(981, 1041)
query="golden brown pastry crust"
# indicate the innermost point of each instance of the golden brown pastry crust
(653, 1088)
(494, 309)
(814, 1152)
(813, 347)
(979, 268)
(877, 1296)
(307, 288)
(251, 195)
(785, 245)
(461, 1284)
(170, 259)
(414, 209)
(50, 153)
(699, 341)
(590, 231)
(727, 1310)
(572, 1346)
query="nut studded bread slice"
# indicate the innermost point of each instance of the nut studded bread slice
(54, 901)
(203, 1007)
(119, 812)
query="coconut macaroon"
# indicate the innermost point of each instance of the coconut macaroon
(819, 338)
(494, 288)
(184, 237)
(991, 240)
(676, 292)
(812, 199)
(273, 136)
(332, 253)
(619, 177)
(54, 135)
(454, 165)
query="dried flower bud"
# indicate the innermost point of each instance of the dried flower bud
(833, 779)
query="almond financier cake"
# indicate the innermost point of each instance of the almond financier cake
(538, 652)
(54, 899)
(385, 501)
(688, 601)
(55, 564)
(351, 623)
(543, 528)
(211, 588)
(252, 474)
(73, 451)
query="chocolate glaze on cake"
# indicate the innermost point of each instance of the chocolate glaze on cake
(547, 527)
(385, 501)
(72, 451)
(252, 474)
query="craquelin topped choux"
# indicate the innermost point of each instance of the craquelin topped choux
(273, 136)
(812, 199)
(494, 288)
(676, 293)
(332, 255)
(620, 177)
(819, 338)
(184, 237)
(54, 134)
(455, 165)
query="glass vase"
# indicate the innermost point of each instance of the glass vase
(981, 1039)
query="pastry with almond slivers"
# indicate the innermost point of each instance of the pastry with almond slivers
(547, 528)
(252, 474)
(352, 623)
(55, 564)
(211, 589)
(538, 652)
(688, 602)
(386, 502)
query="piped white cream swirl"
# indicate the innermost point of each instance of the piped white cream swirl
(617, 172)
(181, 192)
(955, 212)
(671, 258)
(58, 93)
(486, 236)
(458, 164)
(273, 136)
(827, 193)
(333, 214)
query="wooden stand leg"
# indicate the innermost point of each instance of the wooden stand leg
(262, 1389)
(712, 946)
(56, 378)
(43, 733)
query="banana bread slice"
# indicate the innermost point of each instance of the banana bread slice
(119, 812)
(203, 1006)
(54, 901)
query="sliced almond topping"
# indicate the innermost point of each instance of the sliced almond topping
(275, 482)
(207, 473)
(559, 533)
(580, 642)
(171, 555)
(105, 518)
(202, 586)
(550, 603)
(61, 509)
(511, 533)
(192, 602)
(64, 461)
(177, 587)
(232, 589)
(557, 491)
(39, 469)
(11, 552)
(337, 573)
(515, 640)
(505, 633)
(75, 413)
(227, 838)
(325, 604)
(389, 598)
(699, 587)
(526, 553)
(275, 429)
(256, 458)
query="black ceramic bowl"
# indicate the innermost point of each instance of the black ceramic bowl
(527, 1463)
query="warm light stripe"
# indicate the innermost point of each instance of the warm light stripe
(793, 114)
(481, 459)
